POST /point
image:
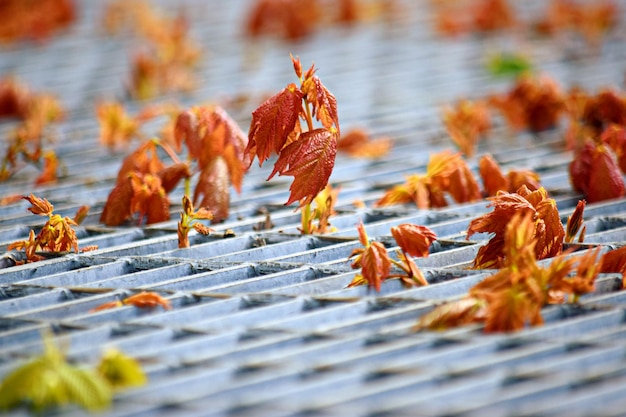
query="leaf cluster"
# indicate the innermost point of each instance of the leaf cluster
(357, 143)
(597, 132)
(466, 122)
(142, 185)
(49, 381)
(167, 61)
(307, 155)
(546, 228)
(294, 20)
(376, 264)
(36, 111)
(446, 173)
(481, 16)
(218, 146)
(512, 298)
(56, 236)
(21, 21)
(592, 20)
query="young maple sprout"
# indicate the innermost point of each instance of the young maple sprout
(56, 235)
(512, 298)
(375, 262)
(307, 155)
(189, 220)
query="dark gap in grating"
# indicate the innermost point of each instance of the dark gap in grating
(18, 291)
(8, 323)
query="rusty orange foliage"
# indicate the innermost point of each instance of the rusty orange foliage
(144, 299)
(614, 136)
(308, 156)
(446, 172)
(294, 20)
(142, 186)
(357, 143)
(34, 20)
(57, 234)
(492, 15)
(615, 261)
(189, 220)
(117, 128)
(547, 228)
(591, 19)
(575, 223)
(595, 173)
(375, 262)
(481, 16)
(494, 180)
(512, 298)
(218, 145)
(48, 174)
(534, 103)
(36, 112)
(169, 55)
(466, 122)
(287, 19)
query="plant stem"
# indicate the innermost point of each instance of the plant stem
(306, 219)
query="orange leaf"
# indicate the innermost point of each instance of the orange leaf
(615, 137)
(50, 167)
(81, 214)
(106, 306)
(375, 264)
(310, 160)
(575, 221)
(466, 123)
(548, 230)
(463, 186)
(493, 179)
(272, 123)
(596, 173)
(213, 188)
(413, 239)
(39, 206)
(323, 101)
(357, 143)
(170, 176)
(117, 207)
(148, 300)
(528, 178)
(143, 160)
(452, 314)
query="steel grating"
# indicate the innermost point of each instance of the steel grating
(262, 322)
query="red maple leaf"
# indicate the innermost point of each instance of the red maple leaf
(310, 160)
(273, 122)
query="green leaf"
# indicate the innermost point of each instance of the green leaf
(507, 64)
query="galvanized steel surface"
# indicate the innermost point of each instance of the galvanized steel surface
(262, 323)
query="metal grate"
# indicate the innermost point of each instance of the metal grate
(262, 323)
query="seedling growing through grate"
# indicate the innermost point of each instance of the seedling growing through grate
(189, 220)
(512, 298)
(375, 262)
(446, 172)
(307, 155)
(56, 236)
(26, 142)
